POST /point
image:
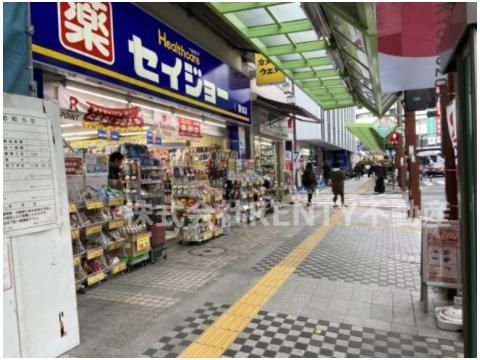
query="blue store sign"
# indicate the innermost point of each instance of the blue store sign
(122, 44)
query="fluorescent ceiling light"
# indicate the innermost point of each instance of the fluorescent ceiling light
(79, 138)
(215, 124)
(74, 88)
(80, 133)
(150, 107)
(69, 125)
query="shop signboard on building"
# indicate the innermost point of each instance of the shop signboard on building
(384, 126)
(106, 41)
(266, 72)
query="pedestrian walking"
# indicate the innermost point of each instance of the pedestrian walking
(358, 171)
(380, 173)
(337, 177)
(326, 173)
(309, 182)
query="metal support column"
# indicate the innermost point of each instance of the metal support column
(413, 168)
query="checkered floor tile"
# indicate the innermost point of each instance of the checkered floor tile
(366, 255)
(276, 335)
(359, 254)
(127, 297)
(282, 251)
(183, 335)
(175, 277)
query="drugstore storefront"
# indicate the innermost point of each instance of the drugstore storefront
(135, 85)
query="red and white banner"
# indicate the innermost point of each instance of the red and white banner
(101, 117)
(409, 36)
(107, 116)
(188, 128)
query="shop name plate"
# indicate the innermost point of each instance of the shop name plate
(72, 207)
(115, 201)
(115, 224)
(93, 279)
(92, 254)
(93, 204)
(119, 267)
(75, 233)
(93, 229)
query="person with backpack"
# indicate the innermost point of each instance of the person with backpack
(337, 179)
(309, 182)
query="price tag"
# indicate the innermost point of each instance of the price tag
(93, 229)
(75, 233)
(94, 204)
(143, 242)
(93, 279)
(93, 253)
(115, 245)
(115, 201)
(77, 260)
(72, 207)
(115, 224)
(119, 267)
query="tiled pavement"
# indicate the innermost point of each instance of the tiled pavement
(281, 335)
(355, 295)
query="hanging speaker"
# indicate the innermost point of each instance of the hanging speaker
(421, 99)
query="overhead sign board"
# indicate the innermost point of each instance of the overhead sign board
(105, 41)
(266, 72)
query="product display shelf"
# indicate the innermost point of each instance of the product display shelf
(200, 207)
(96, 225)
(137, 246)
(247, 197)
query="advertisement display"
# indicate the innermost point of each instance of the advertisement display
(441, 258)
(73, 166)
(188, 128)
(104, 41)
(166, 125)
(96, 164)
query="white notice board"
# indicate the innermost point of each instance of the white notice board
(29, 194)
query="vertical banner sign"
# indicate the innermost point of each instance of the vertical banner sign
(105, 41)
(438, 115)
(267, 73)
(452, 127)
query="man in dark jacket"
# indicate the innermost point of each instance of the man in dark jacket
(380, 174)
(337, 177)
(309, 182)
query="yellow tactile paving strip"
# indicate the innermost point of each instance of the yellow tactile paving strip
(216, 339)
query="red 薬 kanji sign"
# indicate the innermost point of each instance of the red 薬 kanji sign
(86, 28)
